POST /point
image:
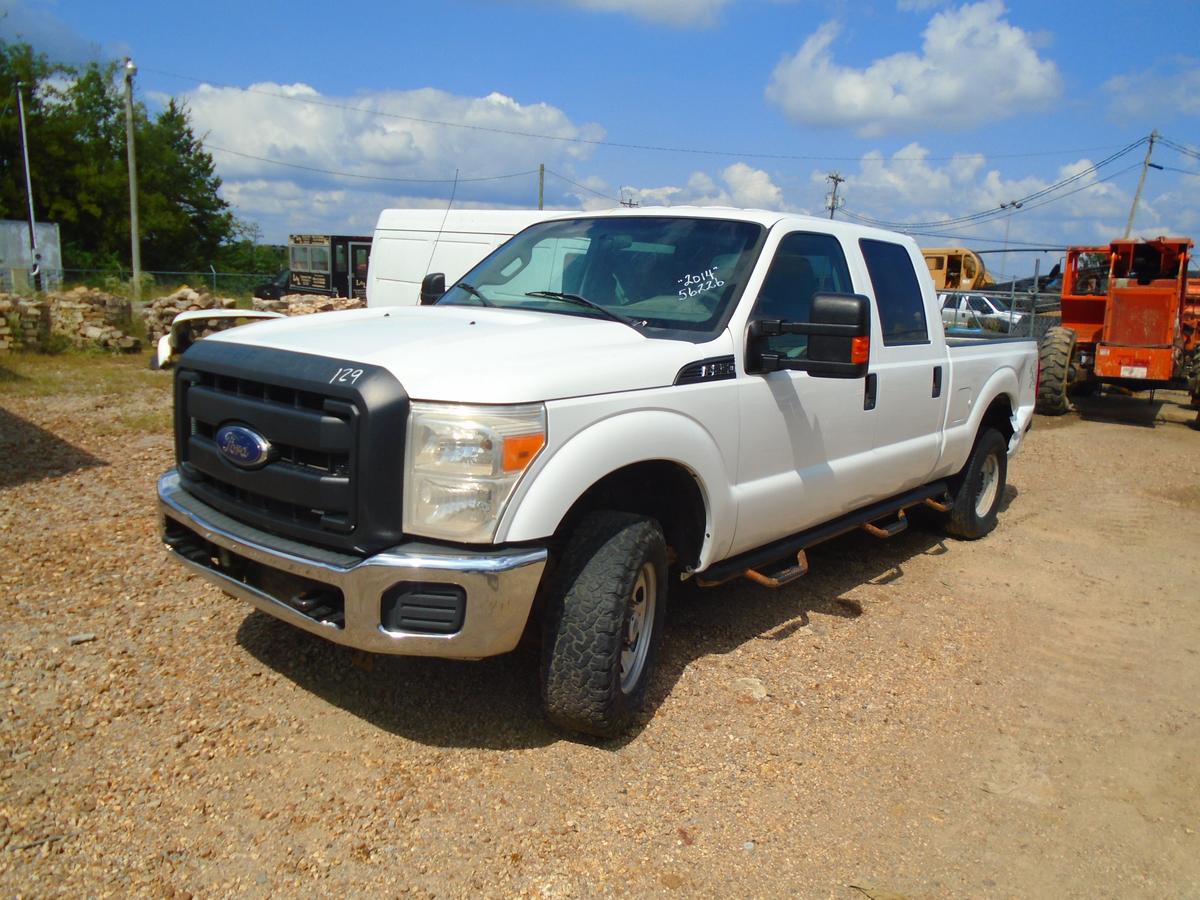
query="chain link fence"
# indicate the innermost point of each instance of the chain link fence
(239, 285)
(1019, 314)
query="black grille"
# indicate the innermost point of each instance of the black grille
(323, 438)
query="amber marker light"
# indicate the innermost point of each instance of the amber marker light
(520, 450)
(860, 350)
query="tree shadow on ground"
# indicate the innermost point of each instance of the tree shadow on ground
(8, 376)
(31, 453)
(495, 703)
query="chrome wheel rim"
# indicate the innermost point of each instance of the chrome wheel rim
(989, 483)
(635, 641)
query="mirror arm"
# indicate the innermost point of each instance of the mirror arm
(776, 327)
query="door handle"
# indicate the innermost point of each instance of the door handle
(937, 381)
(870, 391)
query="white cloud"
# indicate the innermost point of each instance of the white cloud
(1168, 90)
(909, 187)
(678, 13)
(738, 185)
(388, 134)
(974, 68)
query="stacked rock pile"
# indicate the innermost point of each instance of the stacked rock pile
(84, 317)
(7, 310)
(160, 313)
(304, 304)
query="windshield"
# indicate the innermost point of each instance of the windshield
(665, 276)
(1001, 304)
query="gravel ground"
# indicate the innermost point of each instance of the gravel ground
(921, 717)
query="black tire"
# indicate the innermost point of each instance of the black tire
(593, 679)
(979, 489)
(1054, 358)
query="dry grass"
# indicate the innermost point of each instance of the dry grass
(78, 373)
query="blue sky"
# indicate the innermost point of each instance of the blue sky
(932, 111)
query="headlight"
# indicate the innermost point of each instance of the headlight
(462, 464)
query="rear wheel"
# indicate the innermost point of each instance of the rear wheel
(979, 488)
(604, 624)
(1054, 359)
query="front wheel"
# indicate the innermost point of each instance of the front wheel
(980, 488)
(604, 623)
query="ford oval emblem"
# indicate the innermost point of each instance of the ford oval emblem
(242, 446)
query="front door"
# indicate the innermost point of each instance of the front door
(360, 255)
(806, 443)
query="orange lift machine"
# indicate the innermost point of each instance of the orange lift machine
(1127, 319)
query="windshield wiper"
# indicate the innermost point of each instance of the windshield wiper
(635, 324)
(474, 292)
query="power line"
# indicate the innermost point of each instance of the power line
(1026, 207)
(582, 186)
(279, 162)
(1034, 245)
(994, 212)
(1180, 148)
(597, 142)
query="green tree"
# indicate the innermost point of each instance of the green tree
(76, 126)
(184, 219)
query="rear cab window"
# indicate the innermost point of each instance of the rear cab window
(897, 293)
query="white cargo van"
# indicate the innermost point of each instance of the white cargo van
(410, 243)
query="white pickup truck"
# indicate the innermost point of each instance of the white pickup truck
(603, 406)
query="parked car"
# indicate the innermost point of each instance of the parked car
(275, 288)
(606, 405)
(979, 311)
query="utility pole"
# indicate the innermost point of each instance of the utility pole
(832, 197)
(35, 259)
(135, 243)
(1013, 205)
(1137, 196)
(541, 183)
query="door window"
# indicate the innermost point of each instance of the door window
(804, 264)
(897, 293)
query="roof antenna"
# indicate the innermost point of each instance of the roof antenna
(438, 236)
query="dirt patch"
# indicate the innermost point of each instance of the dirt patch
(1010, 717)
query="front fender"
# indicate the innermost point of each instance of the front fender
(614, 443)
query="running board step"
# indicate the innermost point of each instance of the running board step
(890, 530)
(768, 555)
(783, 577)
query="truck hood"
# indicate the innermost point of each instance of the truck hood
(455, 353)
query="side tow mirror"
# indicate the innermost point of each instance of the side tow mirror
(839, 339)
(433, 286)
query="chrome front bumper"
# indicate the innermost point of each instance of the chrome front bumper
(261, 568)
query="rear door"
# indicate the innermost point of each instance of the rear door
(908, 359)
